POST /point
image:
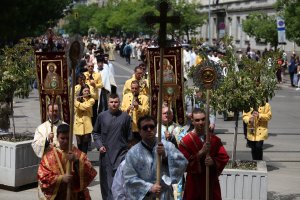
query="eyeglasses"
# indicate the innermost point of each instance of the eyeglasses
(146, 127)
(198, 120)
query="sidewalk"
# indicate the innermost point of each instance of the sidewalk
(281, 152)
(27, 118)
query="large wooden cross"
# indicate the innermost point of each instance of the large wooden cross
(163, 19)
(163, 7)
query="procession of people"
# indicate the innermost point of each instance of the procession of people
(126, 135)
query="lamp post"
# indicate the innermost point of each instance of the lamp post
(209, 26)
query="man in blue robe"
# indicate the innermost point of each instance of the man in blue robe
(140, 165)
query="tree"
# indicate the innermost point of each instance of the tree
(16, 71)
(126, 17)
(248, 84)
(290, 12)
(78, 20)
(28, 18)
(262, 27)
(191, 18)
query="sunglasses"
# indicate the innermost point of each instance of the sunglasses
(146, 127)
(198, 120)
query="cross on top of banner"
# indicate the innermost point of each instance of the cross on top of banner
(163, 19)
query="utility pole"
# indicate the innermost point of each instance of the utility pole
(209, 26)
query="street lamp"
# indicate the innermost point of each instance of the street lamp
(209, 27)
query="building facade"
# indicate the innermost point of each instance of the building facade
(226, 17)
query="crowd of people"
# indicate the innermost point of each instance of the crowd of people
(123, 132)
(126, 136)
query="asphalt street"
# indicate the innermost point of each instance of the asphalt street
(281, 150)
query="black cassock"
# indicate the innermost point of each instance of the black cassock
(113, 131)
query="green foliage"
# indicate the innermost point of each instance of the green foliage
(16, 70)
(242, 164)
(120, 17)
(290, 12)
(262, 27)
(191, 18)
(81, 24)
(28, 18)
(15, 138)
(250, 86)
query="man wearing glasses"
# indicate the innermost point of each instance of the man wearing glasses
(140, 165)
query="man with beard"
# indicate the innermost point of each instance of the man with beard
(45, 136)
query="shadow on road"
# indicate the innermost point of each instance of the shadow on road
(94, 183)
(274, 196)
(221, 131)
(266, 146)
(272, 168)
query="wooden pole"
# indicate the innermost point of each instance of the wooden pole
(169, 111)
(52, 116)
(207, 140)
(74, 57)
(158, 164)
(69, 164)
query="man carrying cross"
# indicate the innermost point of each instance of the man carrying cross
(139, 170)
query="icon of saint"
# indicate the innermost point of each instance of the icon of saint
(52, 80)
(168, 72)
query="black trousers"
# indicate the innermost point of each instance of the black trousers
(278, 75)
(107, 175)
(103, 105)
(256, 149)
(83, 142)
(95, 114)
(292, 79)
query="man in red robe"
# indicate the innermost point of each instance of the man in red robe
(195, 149)
(52, 175)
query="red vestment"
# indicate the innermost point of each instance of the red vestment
(195, 187)
(53, 167)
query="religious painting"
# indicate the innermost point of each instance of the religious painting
(169, 70)
(52, 77)
(51, 74)
(173, 89)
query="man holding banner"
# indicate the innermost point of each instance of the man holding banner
(139, 169)
(52, 174)
(45, 134)
(200, 155)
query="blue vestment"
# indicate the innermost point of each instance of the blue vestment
(140, 170)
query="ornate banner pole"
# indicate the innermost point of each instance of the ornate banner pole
(52, 115)
(163, 19)
(207, 75)
(74, 55)
(207, 141)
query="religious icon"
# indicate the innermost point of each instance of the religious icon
(52, 76)
(168, 73)
(52, 80)
(172, 88)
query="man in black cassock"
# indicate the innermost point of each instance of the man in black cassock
(112, 134)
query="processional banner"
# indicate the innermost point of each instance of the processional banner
(173, 90)
(52, 77)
